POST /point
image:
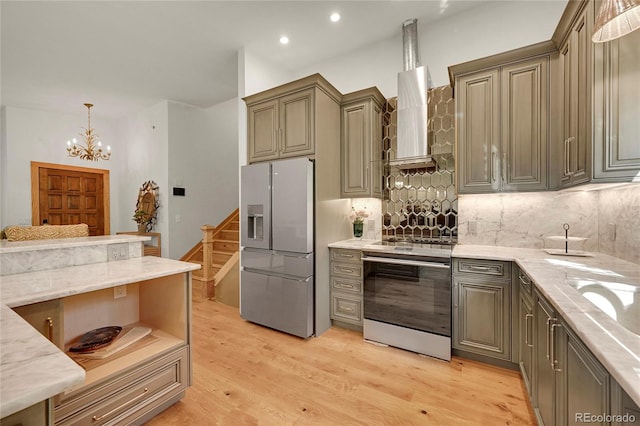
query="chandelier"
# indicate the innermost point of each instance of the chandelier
(92, 151)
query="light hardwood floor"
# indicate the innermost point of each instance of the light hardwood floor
(245, 374)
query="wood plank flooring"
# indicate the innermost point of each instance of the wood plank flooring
(245, 374)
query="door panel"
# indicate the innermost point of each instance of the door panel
(70, 197)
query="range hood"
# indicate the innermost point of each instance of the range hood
(412, 149)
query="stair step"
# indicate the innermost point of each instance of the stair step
(229, 234)
(226, 245)
(234, 225)
(221, 257)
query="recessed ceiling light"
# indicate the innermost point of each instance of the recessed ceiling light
(284, 40)
(335, 17)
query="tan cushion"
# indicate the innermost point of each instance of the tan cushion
(45, 232)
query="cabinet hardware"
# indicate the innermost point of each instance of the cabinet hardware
(493, 165)
(524, 279)
(548, 335)
(480, 268)
(503, 167)
(553, 359)
(344, 285)
(526, 329)
(49, 321)
(98, 418)
(345, 308)
(348, 271)
(455, 292)
(345, 255)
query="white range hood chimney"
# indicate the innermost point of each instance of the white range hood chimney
(413, 82)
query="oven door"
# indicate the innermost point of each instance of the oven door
(409, 293)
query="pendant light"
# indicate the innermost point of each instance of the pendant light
(615, 19)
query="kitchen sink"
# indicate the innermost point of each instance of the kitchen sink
(620, 301)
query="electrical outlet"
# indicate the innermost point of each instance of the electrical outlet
(473, 227)
(118, 251)
(119, 291)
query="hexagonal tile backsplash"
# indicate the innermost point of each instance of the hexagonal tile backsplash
(422, 204)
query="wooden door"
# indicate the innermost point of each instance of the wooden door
(524, 125)
(65, 195)
(297, 124)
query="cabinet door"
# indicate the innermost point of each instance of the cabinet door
(477, 112)
(524, 125)
(46, 317)
(575, 58)
(263, 131)
(356, 149)
(525, 346)
(481, 316)
(585, 387)
(616, 126)
(296, 124)
(544, 383)
(376, 176)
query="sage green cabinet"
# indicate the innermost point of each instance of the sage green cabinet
(616, 144)
(290, 120)
(568, 379)
(525, 327)
(47, 318)
(577, 81)
(502, 120)
(346, 287)
(482, 307)
(361, 141)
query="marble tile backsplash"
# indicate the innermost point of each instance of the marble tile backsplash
(524, 219)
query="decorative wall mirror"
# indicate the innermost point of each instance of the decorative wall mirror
(147, 206)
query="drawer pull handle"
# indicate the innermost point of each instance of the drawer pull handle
(345, 285)
(49, 321)
(346, 308)
(480, 268)
(526, 329)
(98, 418)
(345, 255)
(553, 360)
(348, 271)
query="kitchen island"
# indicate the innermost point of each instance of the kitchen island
(33, 369)
(616, 344)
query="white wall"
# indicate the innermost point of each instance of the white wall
(203, 158)
(492, 28)
(41, 136)
(144, 136)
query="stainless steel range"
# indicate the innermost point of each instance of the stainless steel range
(407, 296)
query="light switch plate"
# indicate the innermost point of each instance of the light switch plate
(473, 227)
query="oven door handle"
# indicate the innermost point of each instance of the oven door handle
(405, 262)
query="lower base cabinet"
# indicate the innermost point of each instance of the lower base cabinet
(346, 287)
(570, 386)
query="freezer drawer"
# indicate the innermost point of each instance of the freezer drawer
(277, 302)
(293, 264)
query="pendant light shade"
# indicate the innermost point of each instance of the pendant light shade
(615, 19)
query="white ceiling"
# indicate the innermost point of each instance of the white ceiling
(127, 55)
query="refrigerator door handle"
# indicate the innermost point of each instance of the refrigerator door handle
(274, 274)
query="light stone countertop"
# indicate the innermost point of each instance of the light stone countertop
(556, 278)
(31, 368)
(31, 245)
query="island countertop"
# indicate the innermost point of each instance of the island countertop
(32, 369)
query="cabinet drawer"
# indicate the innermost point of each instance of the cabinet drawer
(129, 396)
(484, 267)
(345, 307)
(349, 270)
(345, 255)
(345, 284)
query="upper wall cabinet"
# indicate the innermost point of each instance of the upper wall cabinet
(600, 129)
(284, 121)
(576, 77)
(361, 141)
(616, 130)
(502, 120)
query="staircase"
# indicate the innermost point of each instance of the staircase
(218, 255)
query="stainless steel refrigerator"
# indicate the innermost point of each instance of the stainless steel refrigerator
(277, 232)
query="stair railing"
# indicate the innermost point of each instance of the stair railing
(208, 233)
